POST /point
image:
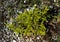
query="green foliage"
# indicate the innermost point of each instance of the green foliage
(58, 38)
(30, 22)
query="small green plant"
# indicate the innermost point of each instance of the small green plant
(30, 22)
